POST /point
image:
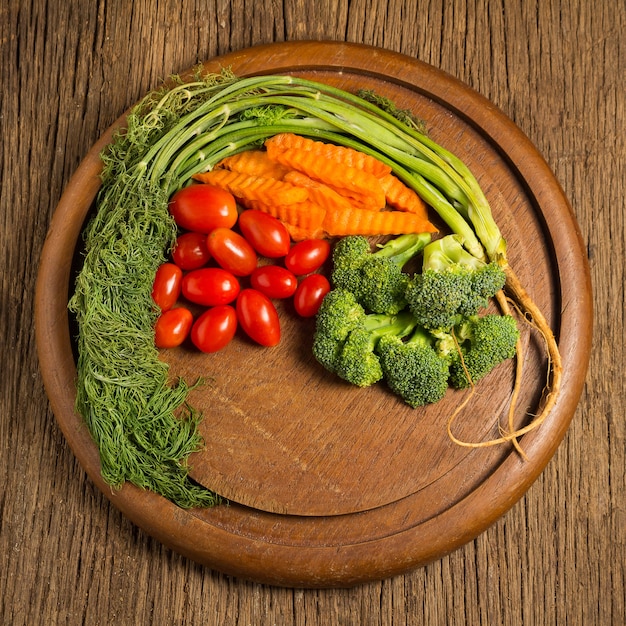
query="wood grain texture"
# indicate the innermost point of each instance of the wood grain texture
(68, 557)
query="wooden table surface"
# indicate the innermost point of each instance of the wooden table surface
(69, 69)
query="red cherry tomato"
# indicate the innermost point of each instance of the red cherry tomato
(274, 281)
(309, 294)
(307, 256)
(201, 208)
(231, 251)
(258, 317)
(267, 235)
(214, 329)
(210, 286)
(166, 286)
(190, 251)
(172, 327)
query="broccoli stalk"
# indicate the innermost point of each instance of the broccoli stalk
(414, 369)
(453, 284)
(376, 278)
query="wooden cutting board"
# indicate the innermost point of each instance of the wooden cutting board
(331, 485)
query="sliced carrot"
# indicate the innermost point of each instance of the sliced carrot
(321, 194)
(331, 173)
(254, 163)
(305, 215)
(300, 234)
(359, 222)
(342, 154)
(243, 186)
(318, 189)
(401, 197)
(359, 200)
(331, 197)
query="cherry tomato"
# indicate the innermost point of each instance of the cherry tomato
(274, 281)
(201, 208)
(190, 251)
(210, 286)
(166, 286)
(309, 294)
(258, 317)
(172, 327)
(268, 236)
(307, 256)
(214, 329)
(231, 251)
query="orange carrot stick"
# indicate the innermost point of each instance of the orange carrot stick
(243, 186)
(321, 194)
(344, 155)
(359, 222)
(306, 215)
(331, 172)
(359, 200)
(401, 197)
(254, 163)
(300, 234)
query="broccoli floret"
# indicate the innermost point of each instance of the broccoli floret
(485, 341)
(487, 280)
(338, 315)
(435, 297)
(414, 369)
(348, 256)
(345, 337)
(376, 278)
(452, 284)
(357, 361)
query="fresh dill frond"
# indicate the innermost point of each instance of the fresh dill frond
(143, 429)
(405, 116)
(268, 115)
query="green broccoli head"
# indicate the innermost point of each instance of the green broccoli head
(338, 315)
(349, 254)
(345, 337)
(382, 286)
(436, 296)
(486, 282)
(376, 278)
(356, 362)
(414, 369)
(453, 284)
(485, 342)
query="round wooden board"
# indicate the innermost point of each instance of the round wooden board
(331, 485)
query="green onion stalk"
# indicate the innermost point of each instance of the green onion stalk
(141, 421)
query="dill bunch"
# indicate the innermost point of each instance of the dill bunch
(143, 429)
(141, 423)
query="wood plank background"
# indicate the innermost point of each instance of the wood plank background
(69, 69)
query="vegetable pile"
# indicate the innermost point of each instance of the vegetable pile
(141, 423)
(420, 332)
